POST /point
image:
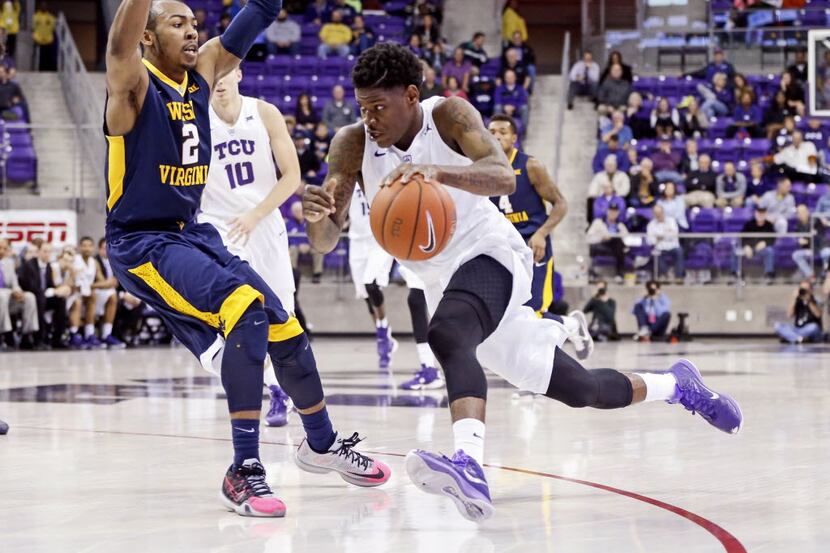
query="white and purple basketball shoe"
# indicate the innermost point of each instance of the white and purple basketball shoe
(460, 478)
(719, 410)
(386, 347)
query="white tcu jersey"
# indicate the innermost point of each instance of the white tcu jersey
(359, 226)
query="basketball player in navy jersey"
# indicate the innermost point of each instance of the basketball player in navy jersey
(477, 285)
(525, 209)
(158, 133)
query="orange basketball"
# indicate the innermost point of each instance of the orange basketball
(413, 221)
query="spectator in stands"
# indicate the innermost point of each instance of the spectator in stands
(775, 114)
(693, 122)
(512, 22)
(453, 89)
(583, 79)
(701, 184)
(316, 11)
(793, 91)
(662, 233)
(779, 205)
(747, 118)
(428, 32)
(674, 205)
(612, 148)
(437, 56)
(222, 25)
(815, 133)
(690, 159)
(11, 96)
(290, 123)
(201, 17)
(664, 119)
(794, 160)
(605, 237)
(105, 289)
(309, 164)
(511, 98)
(306, 116)
(335, 37)
(808, 250)
(283, 35)
(298, 243)
(321, 141)
(666, 162)
(604, 201)
(798, 69)
(717, 97)
(43, 35)
(640, 124)
(603, 325)
(717, 65)
(613, 92)
(633, 162)
(415, 45)
(739, 85)
(363, 36)
(15, 301)
(39, 277)
(823, 70)
(615, 58)
(617, 127)
(644, 187)
(481, 92)
(474, 49)
(730, 187)
(431, 87)
(347, 12)
(459, 67)
(760, 247)
(806, 315)
(527, 56)
(10, 22)
(784, 137)
(512, 62)
(618, 180)
(757, 184)
(338, 112)
(653, 313)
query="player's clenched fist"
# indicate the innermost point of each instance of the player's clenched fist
(318, 201)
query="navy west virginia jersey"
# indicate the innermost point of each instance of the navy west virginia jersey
(524, 207)
(157, 171)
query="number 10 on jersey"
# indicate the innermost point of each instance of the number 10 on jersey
(240, 174)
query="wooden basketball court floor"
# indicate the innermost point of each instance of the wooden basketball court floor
(125, 451)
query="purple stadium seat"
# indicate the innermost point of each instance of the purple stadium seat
(305, 65)
(296, 86)
(308, 46)
(722, 254)
(279, 65)
(755, 147)
(705, 220)
(734, 218)
(269, 86)
(784, 248)
(700, 257)
(22, 165)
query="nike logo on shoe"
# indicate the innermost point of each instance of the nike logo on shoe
(377, 476)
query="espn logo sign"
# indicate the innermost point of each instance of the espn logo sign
(21, 226)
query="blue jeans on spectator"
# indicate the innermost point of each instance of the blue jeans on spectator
(324, 50)
(658, 327)
(767, 256)
(713, 108)
(576, 88)
(677, 256)
(810, 332)
(805, 260)
(292, 50)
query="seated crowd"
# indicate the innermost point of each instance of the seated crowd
(712, 151)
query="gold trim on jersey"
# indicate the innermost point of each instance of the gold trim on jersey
(152, 278)
(116, 168)
(236, 304)
(285, 331)
(181, 87)
(513, 155)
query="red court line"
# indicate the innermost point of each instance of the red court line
(730, 543)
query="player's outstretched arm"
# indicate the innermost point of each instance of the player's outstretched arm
(325, 207)
(460, 125)
(127, 79)
(282, 147)
(220, 55)
(547, 189)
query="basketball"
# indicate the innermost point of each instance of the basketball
(413, 221)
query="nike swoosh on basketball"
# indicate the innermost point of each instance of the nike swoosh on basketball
(430, 246)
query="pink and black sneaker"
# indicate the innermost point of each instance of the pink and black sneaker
(245, 491)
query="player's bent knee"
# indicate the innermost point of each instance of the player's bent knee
(296, 370)
(250, 333)
(375, 294)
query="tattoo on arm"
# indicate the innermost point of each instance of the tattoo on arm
(345, 158)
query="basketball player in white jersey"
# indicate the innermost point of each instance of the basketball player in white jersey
(243, 195)
(477, 286)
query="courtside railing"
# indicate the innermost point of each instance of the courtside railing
(563, 101)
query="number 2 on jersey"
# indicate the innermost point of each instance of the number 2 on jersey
(240, 174)
(190, 144)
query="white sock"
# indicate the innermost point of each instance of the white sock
(106, 329)
(382, 323)
(270, 377)
(659, 387)
(425, 355)
(73, 330)
(89, 330)
(469, 436)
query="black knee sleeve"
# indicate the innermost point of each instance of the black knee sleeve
(375, 294)
(576, 386)
(296, 370)
(420, 316)
(453, 334)
(243, 358)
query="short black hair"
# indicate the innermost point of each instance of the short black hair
(387, 65)
(507, 119)
(101, 242)
(478, 34)
(85, 238)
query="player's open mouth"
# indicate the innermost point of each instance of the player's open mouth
(192, 49)
(375, 135)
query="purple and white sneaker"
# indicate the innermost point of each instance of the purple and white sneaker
(92, 342)
(460, 478)
(111, 342)
(719, 410)
(386, 347)
(76, 341)
(427, 378)
(277, 414)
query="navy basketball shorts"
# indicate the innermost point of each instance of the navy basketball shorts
(541, 289)
(199, 289)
